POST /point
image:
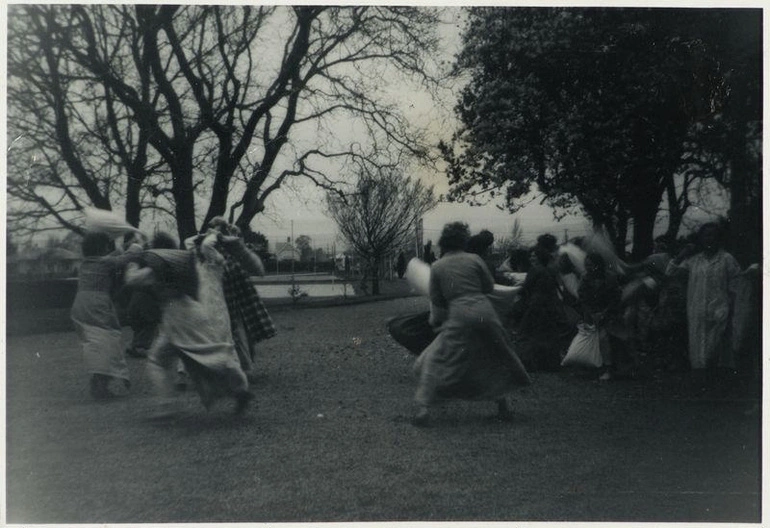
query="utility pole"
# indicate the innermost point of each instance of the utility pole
(292, 252)
(418, 238)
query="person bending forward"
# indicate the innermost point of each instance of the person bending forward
(195, 324)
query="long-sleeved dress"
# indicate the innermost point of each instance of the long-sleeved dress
(711, 289)
(472, 357)
(250, 320)
(96, 319)
(544, 327)
(195, 324)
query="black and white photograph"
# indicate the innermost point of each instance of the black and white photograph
(383, 263)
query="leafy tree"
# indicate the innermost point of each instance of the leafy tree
(259, 241)
(594, 107)
(303, 245)
(184, 108)
(379, 215)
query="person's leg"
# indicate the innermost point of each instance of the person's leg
(160, 360)
(426, 387)
(607, 357)
(144, 335)
(504, 412)
(182, 379)
(243, 348)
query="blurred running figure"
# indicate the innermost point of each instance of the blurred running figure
(96, 318)
(195, 325)
(472, 357)
(250, 320)
(144, 307)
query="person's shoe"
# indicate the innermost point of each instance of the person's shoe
(98, 387)
(421, 419)
(181, 382)
(242, 400)
(504, 416)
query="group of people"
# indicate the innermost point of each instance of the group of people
(196, 315)
(194, 312)
(479, 350)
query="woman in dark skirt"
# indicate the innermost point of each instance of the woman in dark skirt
(472, 357)
(544, 329)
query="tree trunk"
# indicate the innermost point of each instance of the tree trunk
(374, 270)
(133, 206)
(675, 212)
(252, 202)
(644, 227)
(184, 198)
(745, 237)
(221, 186)
(621, 234)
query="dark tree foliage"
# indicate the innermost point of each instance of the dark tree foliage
(608, 109)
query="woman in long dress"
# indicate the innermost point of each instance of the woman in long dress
(472, 357)
(96, 319)
(711, 289)
(544, 327)
(251, 322)
(600, 296)
(195, 325)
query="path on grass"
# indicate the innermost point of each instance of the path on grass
(329, 440)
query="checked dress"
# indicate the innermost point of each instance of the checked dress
(251, 323)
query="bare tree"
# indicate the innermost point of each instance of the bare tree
(72, 143)
(379, 215)
(169, 106)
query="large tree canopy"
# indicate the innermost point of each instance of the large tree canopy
(197, 111)
(601, 108)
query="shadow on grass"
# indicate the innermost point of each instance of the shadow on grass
(193, 423)
(476, 422)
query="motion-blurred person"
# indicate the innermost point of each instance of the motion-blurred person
(644, 296)
(544, 328)
(480, 244)
(195, 325)
(472, 357)
(143, 309)
(96, 319)
(600, 294)
(250, 320)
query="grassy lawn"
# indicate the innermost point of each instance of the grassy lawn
(329, 440)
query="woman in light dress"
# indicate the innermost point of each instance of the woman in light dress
(195, 325)
(96, 319)
(711, 288)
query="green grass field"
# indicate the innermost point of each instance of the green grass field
(329, 440)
